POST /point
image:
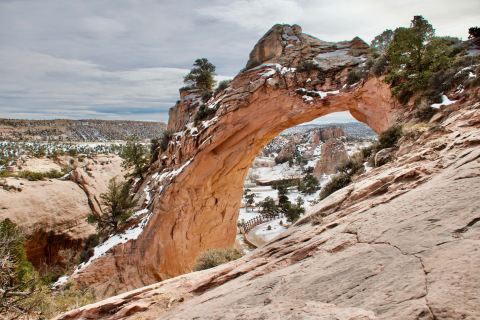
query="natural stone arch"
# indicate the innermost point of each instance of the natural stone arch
(198, 196)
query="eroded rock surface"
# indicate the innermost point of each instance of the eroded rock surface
(327, 133)
(53, 212)
(399, 243)
(333, 152)
(194, 200)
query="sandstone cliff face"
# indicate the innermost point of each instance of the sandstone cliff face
(53, 212)
(333, 152)
(327, 133)
(195, 199)
(399, 243)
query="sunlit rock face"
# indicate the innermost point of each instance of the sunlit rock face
(401, 242)
(52, 213)
(195, 187)
(333, 152)
(324, 134)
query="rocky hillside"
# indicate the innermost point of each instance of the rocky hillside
(78, 130)
(196, 184)
(52, 211)
(351, 129)
(400, 242)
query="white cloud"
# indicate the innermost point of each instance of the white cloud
(337, 117)
(127, 58)
(344, 19)
(258, 15)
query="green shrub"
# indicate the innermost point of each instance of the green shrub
(252, 64)
(202, 113)
(118, 207)
(308, 66)
(222, 86)
(337, 182)
(165, 139)
(206, 95)
(424, 112)
(31, 176)
(68, 297)
(92, 241)
(378, 66)
(308, 185)
(267, 205)
(352, 165)
(353, 77)
(390, 137)
(202, 76)
(215, 257)
(53, 174)
(5, 174)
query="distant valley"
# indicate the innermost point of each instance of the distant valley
(78, 130)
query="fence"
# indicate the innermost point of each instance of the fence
(252, 223)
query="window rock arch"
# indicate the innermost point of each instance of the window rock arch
(195, 198)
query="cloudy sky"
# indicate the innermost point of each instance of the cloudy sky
(125, 59)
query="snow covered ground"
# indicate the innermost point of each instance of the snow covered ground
(261, 233)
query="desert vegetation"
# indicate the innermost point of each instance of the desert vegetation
(215, 257)
(26, 293)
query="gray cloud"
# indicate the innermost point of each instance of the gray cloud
(125, 59)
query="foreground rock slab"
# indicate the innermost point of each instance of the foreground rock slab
(400, 243)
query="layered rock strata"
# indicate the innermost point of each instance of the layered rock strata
(195, 187)
(333, 152)
(399, 243)
(324, 134)
(53, 212)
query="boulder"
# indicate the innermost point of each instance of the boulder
(384, 156)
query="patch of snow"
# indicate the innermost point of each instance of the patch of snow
(289, 46)
(307, 98)
(445, 102)
(276, 229)
(333, 53)
(367, 168)
(208, 123)
(471, 75)
(465, 69)
(138, 213)
(60, 282)
(459, 89)
(268, 74)
(324, 94)
(264, 65)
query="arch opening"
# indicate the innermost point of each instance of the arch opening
(197, 207)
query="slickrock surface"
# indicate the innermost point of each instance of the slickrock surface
(333, 152)
(400, 243)
(194, 201)
(53, 212)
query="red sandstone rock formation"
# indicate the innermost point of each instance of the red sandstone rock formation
(333, 152)
(196, 197)
(53, 212)
(399, 243)
(327, 133)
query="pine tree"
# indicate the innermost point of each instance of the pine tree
(118, 205)
(134, 156)
(201, 77)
